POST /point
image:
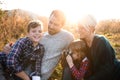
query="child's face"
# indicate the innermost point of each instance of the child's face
(77, 56)
(35, 34)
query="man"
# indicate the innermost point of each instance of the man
(54, 42)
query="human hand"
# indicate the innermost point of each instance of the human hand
(7, 48)
(69, 61)
(23, 75)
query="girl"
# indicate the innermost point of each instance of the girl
(77, 52)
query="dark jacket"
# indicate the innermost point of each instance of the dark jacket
(104, 65)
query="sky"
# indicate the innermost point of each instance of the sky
(74, 9)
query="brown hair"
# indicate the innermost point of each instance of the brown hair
(60, 15)
(79, 46)
(34, 24)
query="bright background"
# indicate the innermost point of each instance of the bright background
(101, 9)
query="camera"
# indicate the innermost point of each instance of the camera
(67, 52)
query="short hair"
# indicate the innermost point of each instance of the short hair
(79, 46)
(34, 24)
(60, 15)
(88, 21)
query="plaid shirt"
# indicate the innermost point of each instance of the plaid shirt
(80, 74)
(24, 52)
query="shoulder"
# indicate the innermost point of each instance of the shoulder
(102, 42)
(21, 41)
(66, 32)
(101, 39)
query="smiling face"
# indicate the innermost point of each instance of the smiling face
(35, 34)
(35, 29)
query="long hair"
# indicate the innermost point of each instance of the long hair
(79, 45)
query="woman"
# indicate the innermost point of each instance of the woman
(104, 65)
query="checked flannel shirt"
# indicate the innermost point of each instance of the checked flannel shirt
(22, 52)
(80, 74)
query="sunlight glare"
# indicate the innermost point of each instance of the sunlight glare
(72, 8)
(73, 17)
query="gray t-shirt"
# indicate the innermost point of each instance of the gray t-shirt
(54, 45)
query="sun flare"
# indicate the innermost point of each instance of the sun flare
(73, 16)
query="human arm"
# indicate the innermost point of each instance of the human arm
(13, 62)
(22, 75)
(78, 74)
(69, 61)
(7, 48)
